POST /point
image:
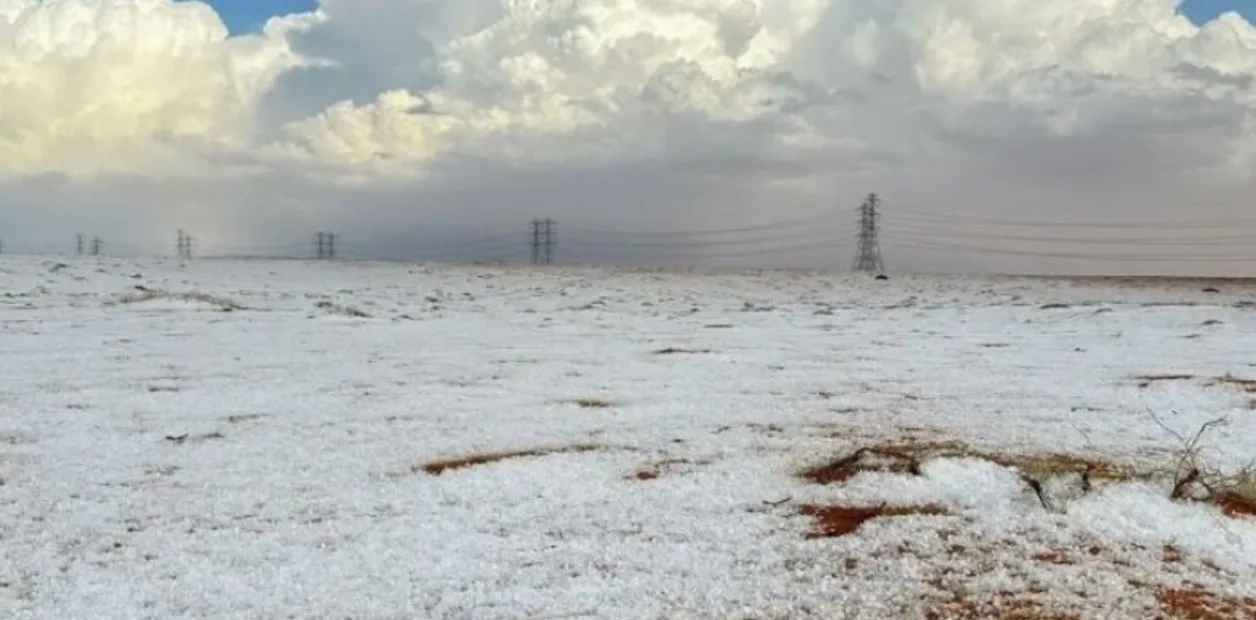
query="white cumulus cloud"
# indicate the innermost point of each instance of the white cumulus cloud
(620, 75)
(111, 85)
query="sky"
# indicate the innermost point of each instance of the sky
(1201, 11)
(1066, 136)
(243, 16)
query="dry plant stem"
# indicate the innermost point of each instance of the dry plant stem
(1225, 491)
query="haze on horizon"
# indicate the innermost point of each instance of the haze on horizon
(1024, 136)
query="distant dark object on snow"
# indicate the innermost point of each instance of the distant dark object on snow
(1212, 290)
(882, 277)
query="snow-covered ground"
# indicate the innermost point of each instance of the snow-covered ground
(162, 457)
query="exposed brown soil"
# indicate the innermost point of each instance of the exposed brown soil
(1235, 505)
(958, 604)
(906, 457)
(832, 521)
(593, 403)
(1053, 556)
(1231, 502)
(1148, 380)
(678, 351)
(1172, 555)
(864, 459)
(1059, 462)
(950, 598)
(1247, 385)
(1200, 604)
(438, 467)
(656, 470)
(1013, 609)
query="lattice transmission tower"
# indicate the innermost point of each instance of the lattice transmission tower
(543, 241)
(325, 246)
(868, 255)
(183, 245)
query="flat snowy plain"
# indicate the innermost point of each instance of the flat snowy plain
(162, 457)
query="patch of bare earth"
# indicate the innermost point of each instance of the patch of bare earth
(958, 605)
(680, 351)
(905, 457)
(1245, 385)
(658, 469)
(832, 521)
(1235, 504)
(1248, 386)
(438, 467)
(593, 403)
(1146, 381)
(1235, 495)
(1196, 603)
(881, 459)
(1038, 589)
(969, 575)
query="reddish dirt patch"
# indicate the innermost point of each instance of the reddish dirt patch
(438, 467)
(1235, 505)
(1247, 385)
(1004, 606)
(905, 457)
(680, 351)
(1172, 555)
(864, 459)
(833, 521)
(1145, 381)
(593, 403)
(1053, 556)
(1232, 503)
(656, 470)
(1199, 604)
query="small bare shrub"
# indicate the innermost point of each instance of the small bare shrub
(1195, 480)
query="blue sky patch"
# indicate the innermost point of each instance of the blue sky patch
(244, 16)
(1201, 11)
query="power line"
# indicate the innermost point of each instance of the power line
(788, 224)
(971, 249)
(603, 249)
(702, 244)
(981, 220)
(1184, 241)
(896, 230)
